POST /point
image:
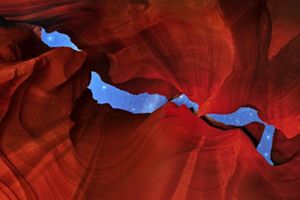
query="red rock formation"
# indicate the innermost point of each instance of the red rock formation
(284, 149)
(209, 50)
(56, 143)
(172, 154)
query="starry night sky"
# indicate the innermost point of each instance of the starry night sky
(146, 103)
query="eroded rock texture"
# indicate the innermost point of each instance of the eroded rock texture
(57, 143)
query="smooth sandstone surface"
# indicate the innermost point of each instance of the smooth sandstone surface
(57, 143)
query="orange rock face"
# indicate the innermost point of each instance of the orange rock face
(57, 143)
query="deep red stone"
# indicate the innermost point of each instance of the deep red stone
(57, 143)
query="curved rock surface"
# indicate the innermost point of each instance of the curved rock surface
(56, 143)
(209, 50)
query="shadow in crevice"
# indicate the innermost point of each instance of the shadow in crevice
(148, 103)
(243, 117)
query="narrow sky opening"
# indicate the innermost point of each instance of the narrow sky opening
(57, 39)
(147, 103)
(244, 116)
(142, 103)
